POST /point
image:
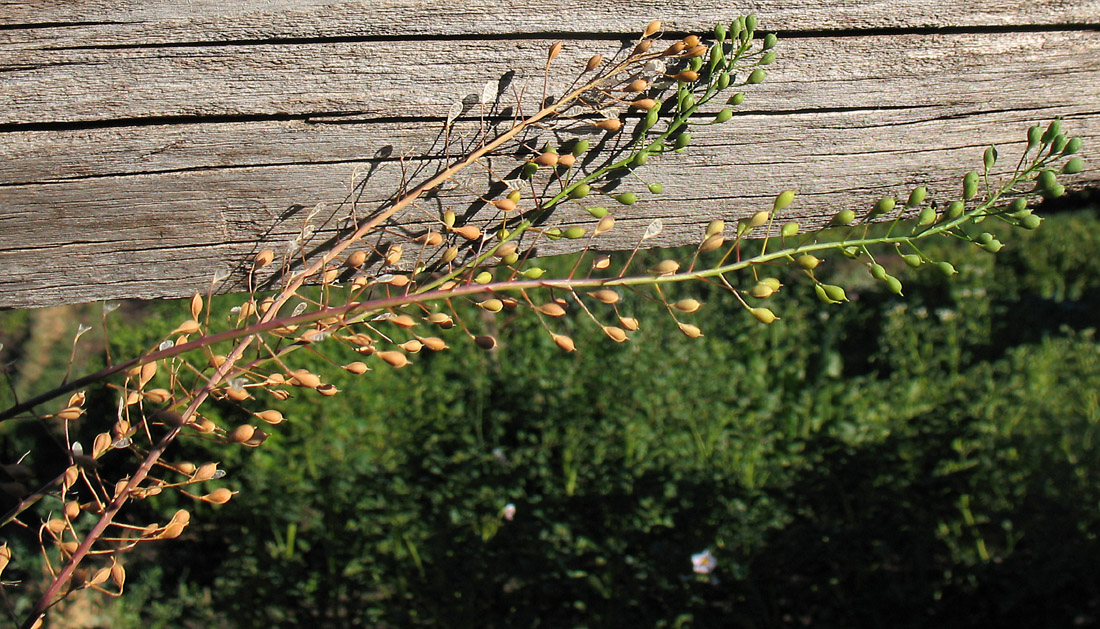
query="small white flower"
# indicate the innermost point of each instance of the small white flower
(703, 563)
(508, 512)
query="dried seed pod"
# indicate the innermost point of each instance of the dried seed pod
(629, 323)
(118, 574)
(551, 310)
(205, 472)
(691, 331)
(403, 321)
(356, 259)
(303, 378)
(274, 417)
(430, 239)
(564, 342)
(69, 413)
(637, 85)
(688, 76)
(610, 124)
(506, 250)
(642, 47)
(72, 474)
(615, 333)
(68, 548)
(567, 160)
(696, 51)
(329, 276)
(72, 509)
(357, 367)
(555, 50)
(687, 305)
(691, 41)
(411, 346)
(605, 225)
(601, 262)
(652, 28)
(491, 304)
(237, 394)
(240, 434)
(666, 267)
(547, 159)
(469, 232)
(190, 326)
(434, 343)
(218, 496)
(644, 104)
(605, 296)
(485, 342)
(327, 390)
(714, 242)
(674, 49)
(593, 62)
(187, 468)
(504, 205)
(56, 526)
(263, 258)
(394, 358)
(441, 319)
(393, 254)
(101, 444)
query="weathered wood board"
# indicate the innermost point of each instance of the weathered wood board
(145, 145)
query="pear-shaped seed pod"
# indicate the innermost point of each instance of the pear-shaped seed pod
(172, 531)
(651, 28)
(615, 333)
(483, 278)
(783, 200)
(441, 319)
(393, 254)
(551, 310)
(970, 185)
(356, 367)
(807, 261)
(555, 50)
(505, 205)
(637, 85)
(279, 394)
(216, 360)
(303, 378)
(69, 413)
(605, 296)
(605, 225)
(237, 394)
(205, 472)
(274, 417)
(644, 104)
(691, 331)
(533, 273)
(573, 233)
(601, 262)
(763, 315)
(626, 198)
(356, 259)
(411, 346)
(593, 62)
(72, 473)
(240, 434)
(844, 217)
(761, 291)
(434, 343)
(547, 159)
(691, 41)
(101, 444)
(642, 47)
(946, 268)
(714, 242)
(469, 232)
(403, 321)
(506, 250)
(218, 496)
(565, 343)
(68, 548)
(836, 293)
(666, 267)
(715, 227)
(759, 219)
(394, 358)
(687, 305)
(263, 258)
(696, 51)
(187, 327)
(72, 509)
(912, 260)
(327, 390)
(56, 526)
(491, 304)
(188, 468)
(275, 378)
(629, 323)
(77, 399)
(675, 49)
(789, 229)
(567, 160)
(485, 342)
(196, 306)
(133, 397)
(688, 76)
(610, 124)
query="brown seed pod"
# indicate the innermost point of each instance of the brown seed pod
(101, 444)
(393, 254)
(565, 342)
(412, 346)
(76, 399)
(120, 487)
(469, 232)
(605, 296)
(642, 47)
(327, 390)
(674, 49)
(610, 124)
(637, 85)
(630, 323)
(329, 276)
(56, 526)
(240, 434)
(218, 496)
(72, 509)
(403, 321)
(691, 41)
(555, 50)
(714, 242)
(605, 225)
(100, 576)
(567, 160)
(196, 306)
(274, 417)
(259, 438)
(505, 205)
(430, 239)
(441, 319)
(356, 259)
(434, 343)
(551, 310)
(601, 262)
(697, 51)
(644, 104)
(666, 267)
(121, 429)
(547, 159)
(303, 378)
(187, 468)
(217, 360)
(263, 258)
(688, 76)
(275, 378)
(687, 305)
(593, 62)
(615, 333)
(72, 473)
(118, 574)
(187, 327)
(652, 28)
(69, 413)
(68, 548)
(399, 280)
(172, 531)
(205, 472)
(357, 367)
(691, 331)
(237, 394)
(506, 250)
(394, 358)
(485, 342)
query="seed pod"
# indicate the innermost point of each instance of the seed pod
(884, 206)
(601, 262)
(187, 327)
(218, 496)
(714, 242)
(783, 200)
(687, 76)
(485, 342)
(275, 418)
(656, 188)
(605, 296)
(573, 233)
(469, 232)
(759, 219)
(819, 290)
(598, 212)
(551, 310)
(579, 191)
(1072, 146)
(303, 378)
(627, 198)
(593, 62)
(666, 267)
(72, 474)
(691, 41)
(767, 59)
(927, 217)
(789, 229)
(567, 160)
(763, 315)
(715, 227)
(1030, 221)
(644, 104)
(844, 217)
(237, 394)
(690, 331)
(555, 50)
(696, 52)
(807, 262)
(69, 413)
(605, 225)
(547, 159)
(724, 115)
(674, 49)
(836, 293)
(240, 434)
(970, 185)
(483, 278)
(394, 358)
(356, 368)
(564, 342)
(56, 526)
(946, 268)
(762, 290)
(993, 246)
(616, 334)
(101, 444)
(610, 124)
(434, 343)
(533, 273)
(1073, 166)
(441, 319)
(72, 510)
(912, 260)
(757, 76)
(629, 323)
(954, 210)
(736, 99)
(263, 258)
(637, 85)
(652, 28)
(687, 305)
(878, 271)
(491, 304)
(504, 205)
(682, 141)
(642, 47)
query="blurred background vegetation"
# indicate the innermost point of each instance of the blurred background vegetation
(891, 462)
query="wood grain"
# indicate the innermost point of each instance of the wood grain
(138, 154)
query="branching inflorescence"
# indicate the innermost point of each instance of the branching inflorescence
(389, 294)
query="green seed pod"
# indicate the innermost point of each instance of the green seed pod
(1058, 144)
(884, 205)
(946, 268)
(736, 99)
(819, 290)
(1033, 135)
(1055, 191)
(1072, 146)
(1030, 221)
(1046, 179)
(574, 233)
(878, 272)
(716, 56)
(483, 278)
(651, 117)
(1073, 166)
(598, 212)
(640, 159)
(580, 147)
(533, 273)
(927, 217)
(656, 188)
(983, 238)
(757, 76)
(715, 227)
(954, 210)
(763, 315)
(511, 258)
(449, 218)
(970, 185)
(767, 59)
(580, 191)
(893, 284)
(1053, 129)
(736, 26)
(789, 229)
(503, 234)
(695, 64)
(761, 291)
(990, 157)
(852, 252)
(720, 32)
(912, 260)
(723, 80)
(783, 200)
(553, 233)
(529, 170)
(807, 262)
(759, 219)
(835, 293)
(724, 115)
(770, 40)
(771, 282)
(627, 198)
(682, 141)
(916, 197)
(844, 217)
(993, 246)
(750, 22)
(1019, 204)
